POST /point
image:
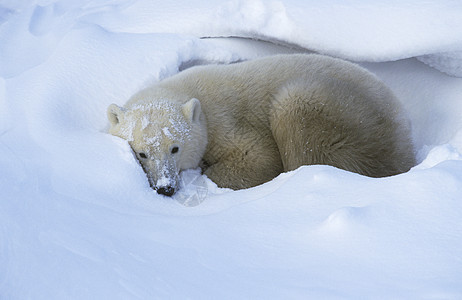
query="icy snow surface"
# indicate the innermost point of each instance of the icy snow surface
(78, 219)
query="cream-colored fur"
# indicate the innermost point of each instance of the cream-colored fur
(256, 119)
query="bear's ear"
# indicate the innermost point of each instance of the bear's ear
(192, 110)
(115, 114)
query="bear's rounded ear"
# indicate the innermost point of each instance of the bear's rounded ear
(115, 114)
(192, 110)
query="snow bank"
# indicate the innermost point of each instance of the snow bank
(356, 30)
(78, 219)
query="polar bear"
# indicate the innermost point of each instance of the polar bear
(245, 123)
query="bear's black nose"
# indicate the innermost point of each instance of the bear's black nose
(166, 190)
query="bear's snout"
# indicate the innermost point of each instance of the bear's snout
(162, 176)
(166, 190)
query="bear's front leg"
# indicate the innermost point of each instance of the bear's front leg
(241, 169)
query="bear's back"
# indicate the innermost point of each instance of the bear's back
(261, 78)
(247, 90)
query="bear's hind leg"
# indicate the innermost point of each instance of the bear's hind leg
(316, 126)
(308, 132)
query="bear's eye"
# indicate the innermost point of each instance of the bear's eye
(174, 150)
(142, 155)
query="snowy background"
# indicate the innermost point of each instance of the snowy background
(78, 219)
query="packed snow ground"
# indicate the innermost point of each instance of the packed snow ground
(79, 221)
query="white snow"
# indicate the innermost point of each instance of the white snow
(78, 219)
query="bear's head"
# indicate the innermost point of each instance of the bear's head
(165, 136)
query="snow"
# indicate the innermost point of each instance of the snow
(448, 62)
(78, 219)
